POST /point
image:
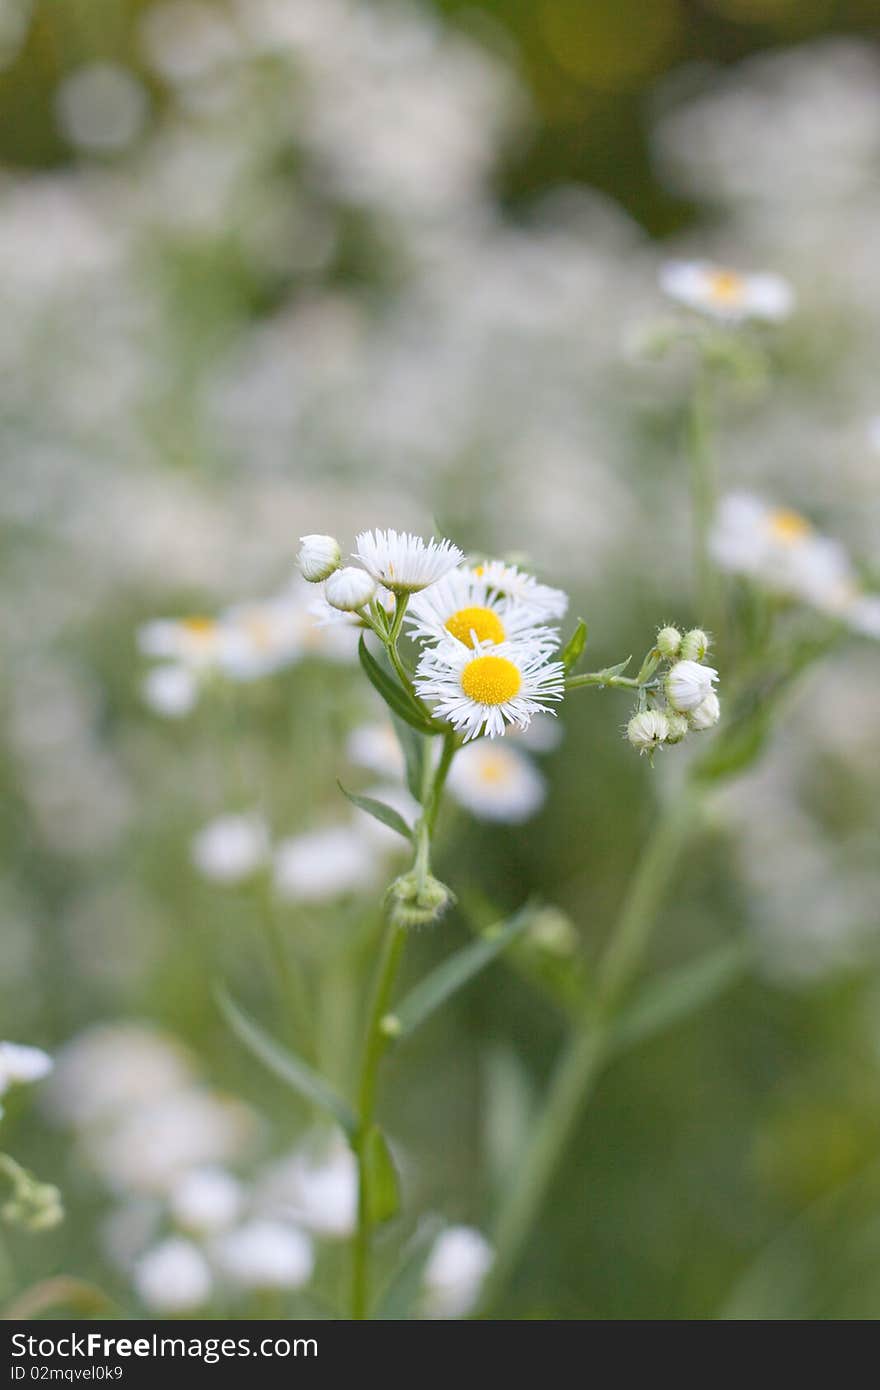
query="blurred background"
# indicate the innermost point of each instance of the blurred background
(287, 266)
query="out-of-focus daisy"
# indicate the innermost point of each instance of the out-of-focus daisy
(231, 848)
(482, 690)
(21, 1065)
(324, 864)
(781, 550)
(261, 637)
(196, 641)
(509, 582)
(316, 1186)
(265, 1255)
(466, 606)
(173, 1277)
(206, 1200)
(727, 295)
(459, 1261)
(171, 690)
(496, 782)
(111, 1067)
(375, 747)
(405, 563)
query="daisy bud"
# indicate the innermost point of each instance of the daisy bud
(678, 726)
(349, 589)
(647, 730)
(707, 713)
(318, 557)
(669, 642)
(694, 645)
(687, 685)
(412, 903)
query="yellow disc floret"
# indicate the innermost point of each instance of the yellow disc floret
(482, 622)
(490, 680)
(789, 527)
(726, 287)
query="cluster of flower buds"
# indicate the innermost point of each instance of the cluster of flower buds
(681, 699)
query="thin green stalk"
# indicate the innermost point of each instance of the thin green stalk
(585, 1051)
(602, 678)
(375, 1044)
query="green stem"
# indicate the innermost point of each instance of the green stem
(585, 1051)
(602, 678)
(375, 1044)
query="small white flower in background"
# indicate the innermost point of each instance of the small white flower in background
(318, 557)
(231, 848)
(323, 865)
(349, 589)
(206, 1200)
(510, 582)
(458, 1263)
(647, 730)
(195, 641)
(543, 735)
(316, 1186)
(128, 1230)
(170, 690)
(101, 107)
(496, 783)
(781, 550)
(405, 563)
(261, 637)
(375, 747)
(687, 684)
(483, 689)
(466, 606)
(173, 1277)
(265, 1255)
(727, 295)
(21, 1065)
(706, 714)
(112, 1067)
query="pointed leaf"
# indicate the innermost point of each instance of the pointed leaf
(618, 670)
(574, 647)
(380, 1176)
(398, 700)
(400, 1297)
(379, 811)
(414, 752)
(285, 1064)
(679, 993)
(457, 971)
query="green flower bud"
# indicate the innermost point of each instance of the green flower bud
(416, 902)
(695, 644)
(678, 726)
(669, 642)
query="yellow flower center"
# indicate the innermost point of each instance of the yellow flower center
(726, 287)
(198, 627)
(490, 680)
(493, 770)
(480, 621)
(789, 527)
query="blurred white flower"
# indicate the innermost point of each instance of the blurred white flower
(496, 783)
(459, 1261)
(101, 107)
(231, 848)
(170, 690)
(725, 294)
(173, 1277)
(316, 1186)
(206, 1200)
(21, 1065)
(112, 1066)
(185, 40)
(375, 747)
(265, 1254)
(324, 864)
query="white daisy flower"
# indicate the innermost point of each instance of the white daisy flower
(727, 295)
(196, 641)
(405, 563)
(173, 1277)
(496, 783)
(316, 1186)
(375, 747)
(466, 606)
(21, 1065)
(688, 684)
(505, 581)
(261, 637)
(482, 690)
(231, 848)
(324, 864)
(459, 1261)
(170, 690)
(206, 1200)
(781, 550)
(265, 1255)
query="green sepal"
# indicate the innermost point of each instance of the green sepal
(574, 647)
(380, 1177)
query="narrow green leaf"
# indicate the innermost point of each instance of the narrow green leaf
(679, 993)
(379, 811)
(414, 752)
(380, 1176)
(457, 971)
(398, 700)
(574, 647)
(400, 1297)
(285, 1064)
